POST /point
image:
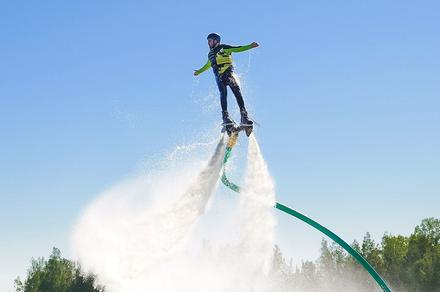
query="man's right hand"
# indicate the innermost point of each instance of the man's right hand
(196, 72)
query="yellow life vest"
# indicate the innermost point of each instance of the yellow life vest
(224, 61)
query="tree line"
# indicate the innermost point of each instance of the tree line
(407, 263)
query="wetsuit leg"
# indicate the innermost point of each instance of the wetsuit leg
(233, 84)
(223, 93)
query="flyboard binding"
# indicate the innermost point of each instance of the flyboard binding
(231, 128)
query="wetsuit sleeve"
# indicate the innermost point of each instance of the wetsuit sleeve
(237, 49)
(205, 67)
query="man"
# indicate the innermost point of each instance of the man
(220, 59)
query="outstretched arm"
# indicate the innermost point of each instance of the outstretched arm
(203, 69)
(231, 49)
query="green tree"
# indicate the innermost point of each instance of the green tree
(423, 257)
(394, 251)
(372, 253)
(429, 228)
(56, 275)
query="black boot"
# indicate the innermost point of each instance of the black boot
(226, 119)
(244, 118)
(246, 124)
(228, 123)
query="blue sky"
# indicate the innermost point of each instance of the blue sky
(347, 93)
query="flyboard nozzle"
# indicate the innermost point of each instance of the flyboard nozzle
(232, 140)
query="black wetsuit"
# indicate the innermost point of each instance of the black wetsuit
(219, 58)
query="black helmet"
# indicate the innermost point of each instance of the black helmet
(214, 36)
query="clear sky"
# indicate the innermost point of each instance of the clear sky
(347, 93)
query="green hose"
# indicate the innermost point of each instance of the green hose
(309, 221)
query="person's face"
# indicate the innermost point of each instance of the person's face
(212, 43)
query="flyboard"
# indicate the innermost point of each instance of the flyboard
(233, 136)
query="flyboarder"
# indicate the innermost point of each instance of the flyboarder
(220, 59)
